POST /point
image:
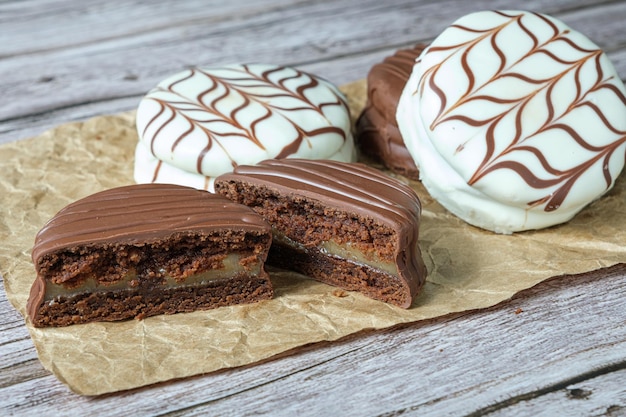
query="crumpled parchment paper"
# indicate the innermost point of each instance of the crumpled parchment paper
(468, 269)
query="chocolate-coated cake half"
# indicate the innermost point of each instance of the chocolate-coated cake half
(143, 250)
(377, 132)
(344, 224)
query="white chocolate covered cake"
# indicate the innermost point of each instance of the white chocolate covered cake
(514, 120)
(203, 122)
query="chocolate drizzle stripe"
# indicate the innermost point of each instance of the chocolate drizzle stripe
(259, 89)
(347, 185)
(161, 111)
(139, 213)
(340, 178)
(265, 81)
(501, 72)
(578, 58)
(194, 214)
(354, 189)
(157, 169)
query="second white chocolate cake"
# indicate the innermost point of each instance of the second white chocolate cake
(203, 122)
(514, 120)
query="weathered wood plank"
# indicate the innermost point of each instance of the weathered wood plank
(604, 395)
(129, 66)
(436, 367)
(443, 371)
(559, 346)
(31, 27)
(37, 99)
(39, 26)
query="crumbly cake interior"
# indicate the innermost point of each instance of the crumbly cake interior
(301, 230)
(161, 277)
(310, 223)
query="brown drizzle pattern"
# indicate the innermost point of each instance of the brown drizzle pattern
(352, 187)
(262, 85)
(141, 213)
(560, 181)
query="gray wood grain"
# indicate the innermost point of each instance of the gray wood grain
(81, 69)
(547, 341)
(556, 349)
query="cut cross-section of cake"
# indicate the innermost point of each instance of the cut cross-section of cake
(344, 224)
(142, 250)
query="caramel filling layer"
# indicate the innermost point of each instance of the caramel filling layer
(345, 251)
(230, 266)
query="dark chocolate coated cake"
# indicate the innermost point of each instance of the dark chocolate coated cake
(344, 224)
(143, 250)
(377, 132)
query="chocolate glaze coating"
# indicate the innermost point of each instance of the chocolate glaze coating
(351, 187)
(140, 213)
(136, 215)
(377, 130)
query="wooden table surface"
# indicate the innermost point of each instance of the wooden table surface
(556, 349)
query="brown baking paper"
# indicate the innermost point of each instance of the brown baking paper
(468, 269)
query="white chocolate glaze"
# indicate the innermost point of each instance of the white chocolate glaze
(514, 120)
(206, 121)
(148, 169)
